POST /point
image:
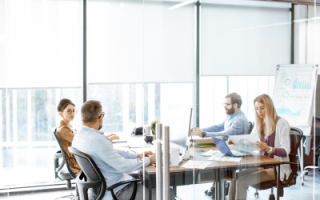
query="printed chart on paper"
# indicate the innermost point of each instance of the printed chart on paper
(293, 93)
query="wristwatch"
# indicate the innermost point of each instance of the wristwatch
(270, 151)
(204, 134)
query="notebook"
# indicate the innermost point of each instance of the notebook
(223, 148)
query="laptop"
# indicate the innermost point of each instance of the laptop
(125, 135)
(223, 148)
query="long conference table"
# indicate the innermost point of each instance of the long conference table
(217, 171)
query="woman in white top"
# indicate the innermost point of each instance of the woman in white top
(275, 143)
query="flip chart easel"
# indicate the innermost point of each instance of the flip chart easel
(293, 96)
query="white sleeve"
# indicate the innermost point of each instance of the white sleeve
(284, 136)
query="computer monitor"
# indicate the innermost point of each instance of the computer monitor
(178, 118)
(318, 98)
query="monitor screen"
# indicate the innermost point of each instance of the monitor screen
(178, 118)
(318, 98)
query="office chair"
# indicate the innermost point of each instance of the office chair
(91, 177)
(63, 174)
(295, 139)
(251, 126)
(317, 153)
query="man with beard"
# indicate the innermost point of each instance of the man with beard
(236, 123)
(114, 164)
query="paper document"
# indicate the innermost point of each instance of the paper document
(141, 150)
(246, 142)
(225, 158)
(139, 144)
(211, 153)
(196, 164)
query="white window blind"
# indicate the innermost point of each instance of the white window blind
(43, 43)
(244, 39)
(2, 66)
(136, 41)
(313, 50)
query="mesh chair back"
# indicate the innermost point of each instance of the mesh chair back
(90, 171)
(251, 126)
(63, 153)
(295, 139)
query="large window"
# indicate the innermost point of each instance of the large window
(213, 90)
(137, 103)
(40, 63)
(28, 117)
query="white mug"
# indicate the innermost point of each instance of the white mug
(174, 156)
(147, 130)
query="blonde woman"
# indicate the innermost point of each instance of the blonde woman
(275, 143)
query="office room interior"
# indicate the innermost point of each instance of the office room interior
(190, 99)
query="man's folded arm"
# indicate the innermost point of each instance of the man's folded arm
(103, 148)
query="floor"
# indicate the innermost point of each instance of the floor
(310, 191)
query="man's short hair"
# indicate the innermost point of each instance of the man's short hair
(235, 98)
(91, 111)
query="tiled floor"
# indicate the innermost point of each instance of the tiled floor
(310, 191)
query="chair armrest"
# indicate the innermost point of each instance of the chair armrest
(285, 182)
(61, 166)
(122, 183)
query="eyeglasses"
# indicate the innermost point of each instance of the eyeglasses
(227, 104)
(102, 114)
(71, 111)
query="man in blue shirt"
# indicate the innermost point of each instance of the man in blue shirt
(114, 164)
(236, 122)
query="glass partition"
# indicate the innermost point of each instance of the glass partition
(257, 83)
(195, 70)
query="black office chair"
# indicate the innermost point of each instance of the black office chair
(59, 172)
(295, 139)
(309, 143)
(91, 177)
(251, 126)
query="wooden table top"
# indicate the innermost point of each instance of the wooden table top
(255, 160)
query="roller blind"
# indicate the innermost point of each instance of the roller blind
(136, 41)
(313, 50)
(2, 44)
(43, 43)
(244, 39)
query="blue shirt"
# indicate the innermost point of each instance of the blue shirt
(114, 164)
(235, 124)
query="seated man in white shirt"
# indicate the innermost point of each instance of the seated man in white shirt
(115, 164)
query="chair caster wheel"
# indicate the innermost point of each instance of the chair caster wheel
(302, 184)
(256, 195)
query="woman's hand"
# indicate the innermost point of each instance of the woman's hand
(263, 146)
(113, 137)
(230, 141)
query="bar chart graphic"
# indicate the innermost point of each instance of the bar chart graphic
(299, 84)
(287, 112)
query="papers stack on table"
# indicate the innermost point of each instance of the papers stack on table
(225, 158)
(196, 164)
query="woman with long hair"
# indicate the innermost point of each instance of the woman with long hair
(274, 142)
